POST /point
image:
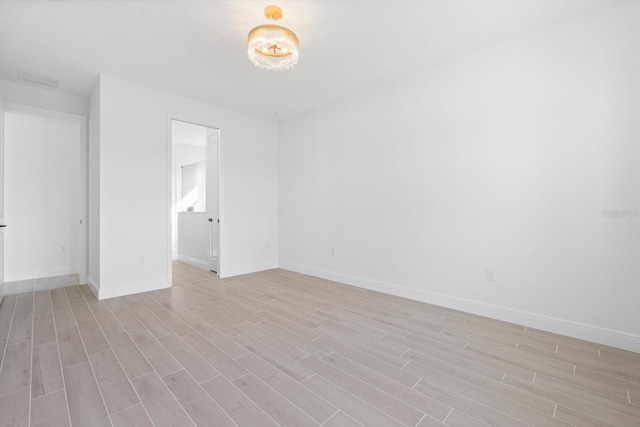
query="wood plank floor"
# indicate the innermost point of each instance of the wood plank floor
(280, 348)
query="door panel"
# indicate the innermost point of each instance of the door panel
(1, 205)
(212, 198)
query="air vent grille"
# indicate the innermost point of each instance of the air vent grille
(39, 79)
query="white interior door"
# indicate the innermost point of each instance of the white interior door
(212, 197)
(2, 224)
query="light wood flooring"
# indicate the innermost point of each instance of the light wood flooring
(279, 348)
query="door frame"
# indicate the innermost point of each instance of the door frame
(2, 199)
(208, 124)
(209, 178)
(84, 164)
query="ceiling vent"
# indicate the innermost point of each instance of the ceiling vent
(39, 79)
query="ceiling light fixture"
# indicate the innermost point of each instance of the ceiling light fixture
(271, 46)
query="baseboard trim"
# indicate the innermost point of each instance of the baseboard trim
(246, 269)
(21, 276)
(194, 262)
(105, 292)
(93, 286)
(559, 326)
(40, 284)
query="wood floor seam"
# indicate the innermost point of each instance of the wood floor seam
(171, 373)
(68, 411)
(445, 418)
(389, 396)
(33, 302)
(274, 391)
(131, 379)
(85, 350)
(13, 391)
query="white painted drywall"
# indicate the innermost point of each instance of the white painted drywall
(43, 97)
(93, 208)
(134, 181)
(183, 154)
(193, 234)
(504, 159)
(193, 187)
(42, 170)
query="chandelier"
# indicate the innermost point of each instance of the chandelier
(272, 46)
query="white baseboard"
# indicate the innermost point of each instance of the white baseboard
(246, 269)
(93, 286)
(105, 292)
(559, 326)
(194, 262)
(15, 276)
(40, 284)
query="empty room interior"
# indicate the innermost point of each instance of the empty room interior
(320, 213)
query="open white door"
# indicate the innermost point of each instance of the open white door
(2, 224)
(212, 197)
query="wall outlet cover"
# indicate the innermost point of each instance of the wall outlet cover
(491, 275)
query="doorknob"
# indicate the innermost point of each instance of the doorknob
(210, 219)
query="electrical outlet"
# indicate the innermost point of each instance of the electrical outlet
(332, 252)
(141, 259)
(63, 248)
(491, 275)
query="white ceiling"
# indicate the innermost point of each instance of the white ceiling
(198, 48)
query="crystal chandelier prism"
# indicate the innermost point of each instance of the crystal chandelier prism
(272, 46)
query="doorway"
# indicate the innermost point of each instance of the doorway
(42, 199)
(195, 219)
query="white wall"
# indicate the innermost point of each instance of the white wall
(502, 159)
(193, 236)
(94, 190)
(193, 187)
(42, 185)
(134, 181)
(42, 97)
